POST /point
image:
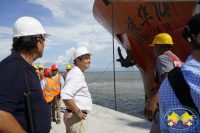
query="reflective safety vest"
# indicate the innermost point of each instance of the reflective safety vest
(57, 84)
(177, 63)
(40, 75)
(49, 89)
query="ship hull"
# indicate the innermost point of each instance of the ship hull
(137, 23)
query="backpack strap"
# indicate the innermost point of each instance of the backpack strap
(181, 89)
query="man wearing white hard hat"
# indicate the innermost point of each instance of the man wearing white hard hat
(22, 104)
(75, 93)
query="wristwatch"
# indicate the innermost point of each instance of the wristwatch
(78, 111)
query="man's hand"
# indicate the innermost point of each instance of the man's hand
(151, 107)
(81, 115)
(70, 103)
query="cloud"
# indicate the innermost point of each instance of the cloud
(79, 32)
(47, 47)
(68, 11)
(5, 46)
(6, 30)
(61, 61)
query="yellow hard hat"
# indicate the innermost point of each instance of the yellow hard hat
(50, 68)
(41, 66)
(34, 66)
(162, 38)
(68, 67)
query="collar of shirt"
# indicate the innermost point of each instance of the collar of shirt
(77, 70)
(16, 55)
(27, 66)
(167, 52)
(53, 77)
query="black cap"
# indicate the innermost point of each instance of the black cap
(192, 29)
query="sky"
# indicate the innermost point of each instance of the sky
(71, 24)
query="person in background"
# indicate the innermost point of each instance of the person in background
(68, 68)
(75, 93)
(41, 67)
(59, 82)
(48, 87)
(40, 72)
(35, 67)
(191, 74)
(28, 45)
(166, 61)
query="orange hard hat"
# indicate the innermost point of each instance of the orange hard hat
(54, 67)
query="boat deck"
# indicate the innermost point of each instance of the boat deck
(104, 120)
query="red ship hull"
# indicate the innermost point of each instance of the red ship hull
(137, 23)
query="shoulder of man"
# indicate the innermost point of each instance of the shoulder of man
(12, 63)
(164, 58)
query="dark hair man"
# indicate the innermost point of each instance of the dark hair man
(59, 82)
(75, 93)
(166, 61)
(28, 45)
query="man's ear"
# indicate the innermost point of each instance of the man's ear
(77, 61)
(37, 43)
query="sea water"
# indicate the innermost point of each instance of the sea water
(130, 96)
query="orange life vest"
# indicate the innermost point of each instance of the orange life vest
(57, 84)
(49, 89)
(40, 75)
(177, 63)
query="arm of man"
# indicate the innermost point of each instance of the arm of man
(9, 124)
(70, 103)
(165, 75)
(164, 64)
(152, 104)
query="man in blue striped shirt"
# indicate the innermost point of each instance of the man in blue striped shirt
(174, 117)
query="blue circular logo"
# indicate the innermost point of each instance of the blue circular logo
(180, 119)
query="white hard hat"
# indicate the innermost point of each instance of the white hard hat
(81, 51)
(28, 26)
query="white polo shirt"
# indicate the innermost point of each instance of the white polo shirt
(76, 88)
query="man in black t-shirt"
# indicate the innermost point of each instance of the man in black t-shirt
(28, 45)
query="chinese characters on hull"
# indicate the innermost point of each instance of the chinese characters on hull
(144, 15)
(132, 26)
(158, 10)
